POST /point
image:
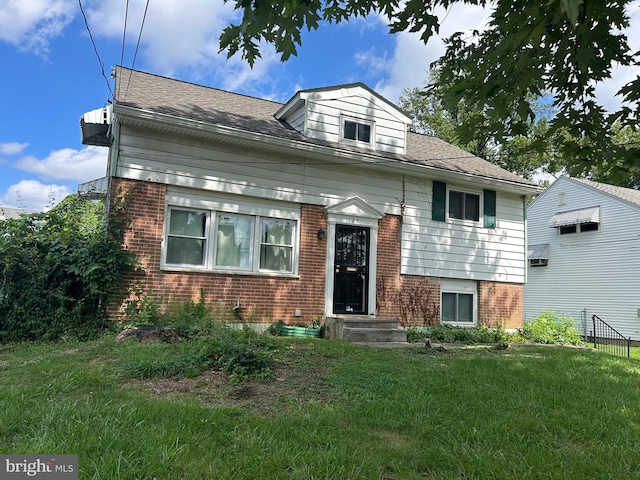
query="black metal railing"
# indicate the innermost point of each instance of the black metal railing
(607, 339)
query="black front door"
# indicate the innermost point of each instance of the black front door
(351, 270)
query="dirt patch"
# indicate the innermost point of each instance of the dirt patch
(292, 386)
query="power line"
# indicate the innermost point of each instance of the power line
(124, 33)
(95, 48)
(137, 46)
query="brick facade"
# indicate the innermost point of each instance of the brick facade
(262, 298)
(415, 300)
(412, 300)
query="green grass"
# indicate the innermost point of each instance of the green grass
(331, 411)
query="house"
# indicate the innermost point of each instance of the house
(325, 205)
(7, 213)
(584, 253)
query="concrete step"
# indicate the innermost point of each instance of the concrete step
(370, 334)
(367, 322)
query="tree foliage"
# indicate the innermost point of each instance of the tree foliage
(518, 154)
(57, 270)
(529, 50)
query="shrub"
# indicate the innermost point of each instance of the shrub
(445, 333)
(59, 268)
(238, 353)
(550, 328)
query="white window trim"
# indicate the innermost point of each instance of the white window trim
(467, 287)
(462, 221)
(358, 143)
(214, 206)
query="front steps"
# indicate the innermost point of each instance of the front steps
(357, 329)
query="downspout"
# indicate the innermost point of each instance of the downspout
(526, 259)
(115, 147)
(112, 164)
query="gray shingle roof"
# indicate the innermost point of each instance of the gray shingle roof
(210, 105)
(628, 194)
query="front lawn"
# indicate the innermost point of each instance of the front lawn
(328, 410)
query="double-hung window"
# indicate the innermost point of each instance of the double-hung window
(187, 237)
(276, 245)
(357, 132)
(451, 204)
(464, 205)
(224, 241)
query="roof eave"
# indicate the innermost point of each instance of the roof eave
(260, 141)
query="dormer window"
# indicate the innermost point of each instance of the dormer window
(356, 131)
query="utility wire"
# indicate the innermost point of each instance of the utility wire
(137, 46)
(124, 33)
(95, 48)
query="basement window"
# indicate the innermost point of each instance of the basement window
(458, 302)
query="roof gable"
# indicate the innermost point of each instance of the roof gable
(328, 113)
(626, 195)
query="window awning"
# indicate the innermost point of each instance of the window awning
(575, 217)
(538, 252)
(94, 189)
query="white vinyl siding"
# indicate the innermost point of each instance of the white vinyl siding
(428, 248)
(460, 248)
(326, 115)
(593, 271)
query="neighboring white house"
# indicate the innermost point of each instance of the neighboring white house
(325, 205)
(7, 213)
(584, 254)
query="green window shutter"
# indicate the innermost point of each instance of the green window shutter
(490, 208)
(439, 201)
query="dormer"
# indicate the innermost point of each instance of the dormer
(352, 115)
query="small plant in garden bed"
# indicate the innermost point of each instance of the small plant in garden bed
(445, 333)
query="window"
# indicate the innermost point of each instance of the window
(356, 131)
(186, 239)
(233, 246)
(460, 205)
(579, 228)
(457, 307)
(229, 241)
(458, 301)
(464, 206)
(276, 245)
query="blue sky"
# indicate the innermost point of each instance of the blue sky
(51, 74)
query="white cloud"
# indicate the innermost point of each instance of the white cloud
(177, 36)
(68, 164)
(607, 91)
(33, 195)
(32, 24)
(12, 148)
(408, 66)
